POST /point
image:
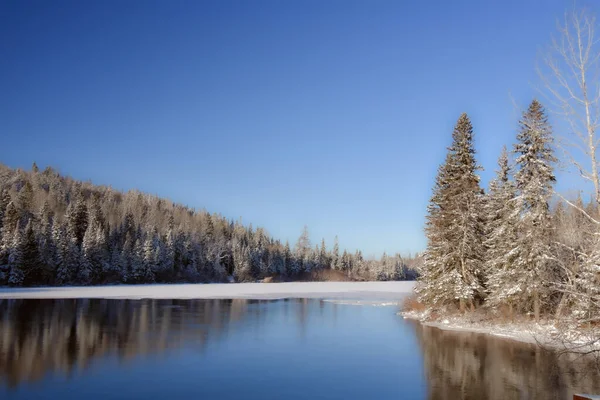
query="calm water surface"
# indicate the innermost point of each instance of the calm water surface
(239, 349)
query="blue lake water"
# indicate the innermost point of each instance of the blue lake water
(240, 349)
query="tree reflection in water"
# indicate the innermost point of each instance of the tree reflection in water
(42, 336)
(463, 365)
(39, 338)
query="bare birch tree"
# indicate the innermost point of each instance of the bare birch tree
(571, 78)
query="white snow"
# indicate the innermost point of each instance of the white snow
(390, 291)
(544, 333)
(365, 302)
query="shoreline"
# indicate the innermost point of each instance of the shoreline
(446, 325)
(544, 334)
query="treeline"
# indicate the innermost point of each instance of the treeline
(59, 231)
(508, 250)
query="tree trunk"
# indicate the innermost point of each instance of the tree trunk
(536, 306)
(591, 138)
(560, 306)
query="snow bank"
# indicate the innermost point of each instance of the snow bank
(391, 291)
(544, 333)
(366, 302)
(526, 333)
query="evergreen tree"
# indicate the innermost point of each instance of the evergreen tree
(534, 180)
(5, 199)
(47, 247)
(15, 259)
(335, 257)
(502, 220)
(87, 234)
(9, 223)
(168, 259)
(323, 257)
(33, 274)
(25, 202)
(585, 287)
(141, 271)
(453, 263)
(287, 260)
(149, 256)
(77, 217)
(303, 245)
(90, 264)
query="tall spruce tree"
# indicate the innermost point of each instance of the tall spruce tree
(534, 180)
(502, 216)
(452, 272)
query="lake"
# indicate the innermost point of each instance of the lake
(250, 349)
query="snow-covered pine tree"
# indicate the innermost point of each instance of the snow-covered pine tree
(77, 218)
(62, 274)
(5, 199)
(168, 261)
(358, 263)
(95, 247)
(335, 257)
(47, 247)
(30, 261)
(148, 260)
(135, 259)
(9, 223)
(534, 179)
(323, 256)
(344, 263)
(287, 260)
(502, 217)
(16, 275)
(452, 271)
(24, 203)
(90, 263)
(303, 248)
(584, 290)
(277, 261)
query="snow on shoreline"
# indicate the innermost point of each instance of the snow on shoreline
(545, 334)
(518, 333)
(388, 291)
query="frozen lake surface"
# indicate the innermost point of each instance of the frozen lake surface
(344, 290)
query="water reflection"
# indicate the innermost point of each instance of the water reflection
(196, 348)
(41, 336)
(462, 365)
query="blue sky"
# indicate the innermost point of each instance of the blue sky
(334, 114)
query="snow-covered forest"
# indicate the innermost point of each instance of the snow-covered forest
(59, 231)
(516, 249)
(522, 250)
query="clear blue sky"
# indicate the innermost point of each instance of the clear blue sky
(334, 114)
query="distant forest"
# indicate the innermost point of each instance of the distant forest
(59, 231)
